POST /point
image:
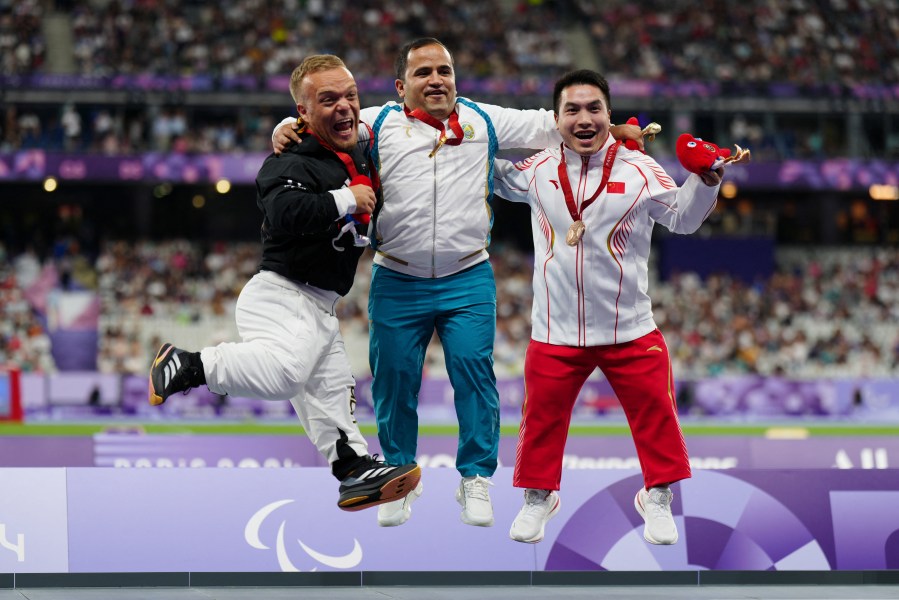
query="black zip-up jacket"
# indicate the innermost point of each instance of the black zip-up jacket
(301, 237)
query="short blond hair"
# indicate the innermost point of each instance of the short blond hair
(312, 64)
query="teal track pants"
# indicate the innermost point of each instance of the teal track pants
(403, 313)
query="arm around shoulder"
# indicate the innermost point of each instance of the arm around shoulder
(534, 129)
(510, 183)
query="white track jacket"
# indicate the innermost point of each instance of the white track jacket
(595, 293)
(436, 215)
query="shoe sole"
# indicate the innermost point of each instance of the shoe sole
(157, 399)
(475, 522)
(646, 535)
(395, 489)
(539, 537)
(404, 513)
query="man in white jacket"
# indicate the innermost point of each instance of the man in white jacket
(434, 154)
(594, 204)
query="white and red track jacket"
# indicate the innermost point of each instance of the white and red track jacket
(595, 293)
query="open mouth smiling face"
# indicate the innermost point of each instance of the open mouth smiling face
(332, 107)
(584, 118)
(345, 129)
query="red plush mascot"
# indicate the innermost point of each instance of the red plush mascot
(699, 156)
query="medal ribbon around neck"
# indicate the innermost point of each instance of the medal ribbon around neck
(566, 184)
(348, 162)
(438, 125)
(344, 157)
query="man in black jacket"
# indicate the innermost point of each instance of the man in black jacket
(312, 198)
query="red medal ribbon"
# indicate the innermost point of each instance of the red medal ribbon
(566, 185)
(429, 120)
(344, 157)
(347, 161)
(356, 177)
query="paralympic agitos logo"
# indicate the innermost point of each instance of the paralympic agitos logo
(282, 552)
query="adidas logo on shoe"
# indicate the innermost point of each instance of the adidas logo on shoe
(376, 483)
(172, 371)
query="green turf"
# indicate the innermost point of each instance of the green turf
(256, 428)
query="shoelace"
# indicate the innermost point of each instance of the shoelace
(532, 496)
(660, 501)
(375, 462)
(477, 488)
(535, 501)
(185, 377)
(189, 374)
(369, 465)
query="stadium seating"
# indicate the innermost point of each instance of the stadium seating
(825, 312)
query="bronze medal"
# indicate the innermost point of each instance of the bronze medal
(575, 233)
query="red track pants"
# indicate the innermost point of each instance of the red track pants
(640, 374)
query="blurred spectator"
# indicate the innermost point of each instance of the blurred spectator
(24, 342)
(71, 126)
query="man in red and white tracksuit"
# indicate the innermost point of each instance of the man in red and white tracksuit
(593, 206)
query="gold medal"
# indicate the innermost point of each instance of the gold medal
(575, 233)
(440, 144)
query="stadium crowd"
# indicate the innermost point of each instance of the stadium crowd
(22, 45)
(804, 42)
(236, 38)
(799, 42)
(802, 47)
(825, 312)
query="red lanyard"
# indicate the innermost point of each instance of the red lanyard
(429, 120)
(566, 185)
(347, 161)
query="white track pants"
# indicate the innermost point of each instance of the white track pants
(291, 350)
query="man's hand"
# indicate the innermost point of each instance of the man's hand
(623, 133)
(365, 199)
(713, 177)
(285, 135)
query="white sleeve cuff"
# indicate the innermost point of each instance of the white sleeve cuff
(283, 122)
(345, 201)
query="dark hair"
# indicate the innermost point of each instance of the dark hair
(582, 76)
(402, 58)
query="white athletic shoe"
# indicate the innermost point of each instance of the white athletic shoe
(392, 514)
(474, 496)
(655, 508)
(539, 507)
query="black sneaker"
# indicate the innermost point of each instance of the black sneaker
(376, 483)
(173, 370)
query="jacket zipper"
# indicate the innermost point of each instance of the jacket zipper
(581, 309)
(585, 164)
(434, 221)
